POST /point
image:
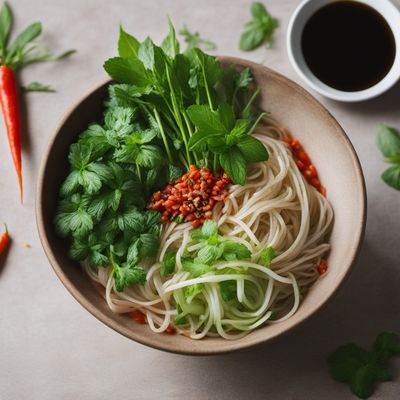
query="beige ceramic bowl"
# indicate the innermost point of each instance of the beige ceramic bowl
(330, 150)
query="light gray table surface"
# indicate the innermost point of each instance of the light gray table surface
(51, 348)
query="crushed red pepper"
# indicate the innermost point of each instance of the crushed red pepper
(308, 170)
(322, 267)
(192, 197)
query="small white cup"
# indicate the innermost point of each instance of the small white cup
(296, 25)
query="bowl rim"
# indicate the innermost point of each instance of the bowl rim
(236, 344)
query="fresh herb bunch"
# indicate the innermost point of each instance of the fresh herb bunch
(168, 111)
(202, 112)
(212, 248)
(115, 167)
(259, 30)
(362, 369)
(388, 142)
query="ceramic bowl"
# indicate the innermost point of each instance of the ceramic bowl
(329, 148)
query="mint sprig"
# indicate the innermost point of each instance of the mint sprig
(362, 369)
(388, 142)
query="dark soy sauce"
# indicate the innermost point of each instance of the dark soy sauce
(348, 45)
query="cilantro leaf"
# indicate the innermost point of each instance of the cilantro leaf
(90, 248)
(267, 255)
(259, 30)
(191, 291)
(168, 264)
(125, 276)
(195, 40)
(209, 253)
(235, 251)
(196, 269)
(72, 217)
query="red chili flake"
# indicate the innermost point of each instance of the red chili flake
(308, 170)
(170, 330)
(139, 317)
(191, 197)
(322, 267)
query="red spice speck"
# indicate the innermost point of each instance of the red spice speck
(138, 317)
(191, 197)
(322, 267)
(304, 164)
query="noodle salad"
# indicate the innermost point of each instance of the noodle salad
(192, 211)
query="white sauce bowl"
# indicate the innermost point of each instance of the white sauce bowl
(295, 29)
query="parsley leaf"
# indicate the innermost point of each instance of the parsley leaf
(127, 276)
(259, 30)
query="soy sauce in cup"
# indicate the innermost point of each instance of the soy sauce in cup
(348, 45)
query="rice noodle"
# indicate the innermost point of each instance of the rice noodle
(276, 207)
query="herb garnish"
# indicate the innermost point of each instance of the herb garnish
(195, 40)
(201, 112)
(168, 111)
(388, 142)
(362, 369)
(259, 30)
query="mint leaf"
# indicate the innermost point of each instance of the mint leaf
(170, 44)
(388, 142)
(387, 344)
(234, 164)
(128, 46)
(362, 369)
(127, 70)
(252, 149)
(168, 264)
(259, 30)
(392, 176)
